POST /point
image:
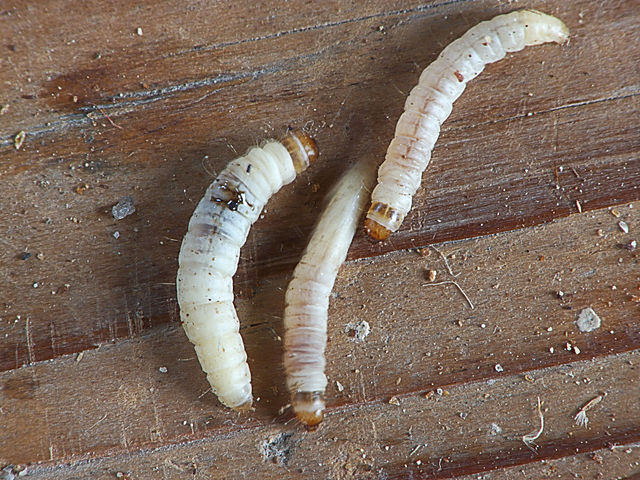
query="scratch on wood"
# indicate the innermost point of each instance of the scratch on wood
(27, 330)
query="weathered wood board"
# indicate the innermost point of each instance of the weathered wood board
(534, 169)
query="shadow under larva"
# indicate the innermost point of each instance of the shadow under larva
(210, 252)
(430, 103)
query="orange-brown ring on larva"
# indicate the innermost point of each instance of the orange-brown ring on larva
(309, 408)
(375, 230)
(302, 148)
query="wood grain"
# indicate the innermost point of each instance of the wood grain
(164, 147)
(110, 113)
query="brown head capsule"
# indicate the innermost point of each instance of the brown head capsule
(381, 221)
(309, 408)
(301, 147)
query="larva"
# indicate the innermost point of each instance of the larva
(307, 296)
(209, 258)
(430, 103)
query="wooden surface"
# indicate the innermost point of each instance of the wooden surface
(88, 320)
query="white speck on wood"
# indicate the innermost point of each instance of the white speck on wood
(588, 320)
(358, 330)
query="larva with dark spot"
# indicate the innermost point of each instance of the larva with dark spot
(210, 252)
(307, 296)
(430, 103)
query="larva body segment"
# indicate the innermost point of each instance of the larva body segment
(307, 296)
(430, 103)
(210, 252)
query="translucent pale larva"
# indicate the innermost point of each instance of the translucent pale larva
(430, 103)
(209, 258)
(307, 297)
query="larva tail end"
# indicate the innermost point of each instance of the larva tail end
(309, 408)
(302, 148)
(244, 407)
(541, 28)
(376, 231)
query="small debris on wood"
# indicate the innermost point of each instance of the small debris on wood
(416, 448)
(588, 320)
(358, 330)
(139, 31)
(339, 386)
(25, 256)
(615, 213)
(431, 275)
(499, 368)
(623, 226)
(4, 109)
(123, 208)
(163, 369)
(631, 246)
(451, 282)
(116, 234)
(578, 206)
(277, 448)
(79, 357)
(19, 139)
(394, 401)
(10, 472)
(530, 438)
(80, 189)
(40, 256)
(446, 262)
(581, 418)
(495, 429)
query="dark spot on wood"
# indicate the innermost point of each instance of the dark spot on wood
(20, 388)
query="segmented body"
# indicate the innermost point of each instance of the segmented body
(431, 101)
(307, 296)
(209, 258)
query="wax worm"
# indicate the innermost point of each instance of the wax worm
(430, 103)
(307, 296)
(209, 258)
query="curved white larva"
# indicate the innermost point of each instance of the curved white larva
(209, 258)
(430, 103)
(307, 296)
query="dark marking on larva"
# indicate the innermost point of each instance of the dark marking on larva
(237, 198)
(459, 76)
